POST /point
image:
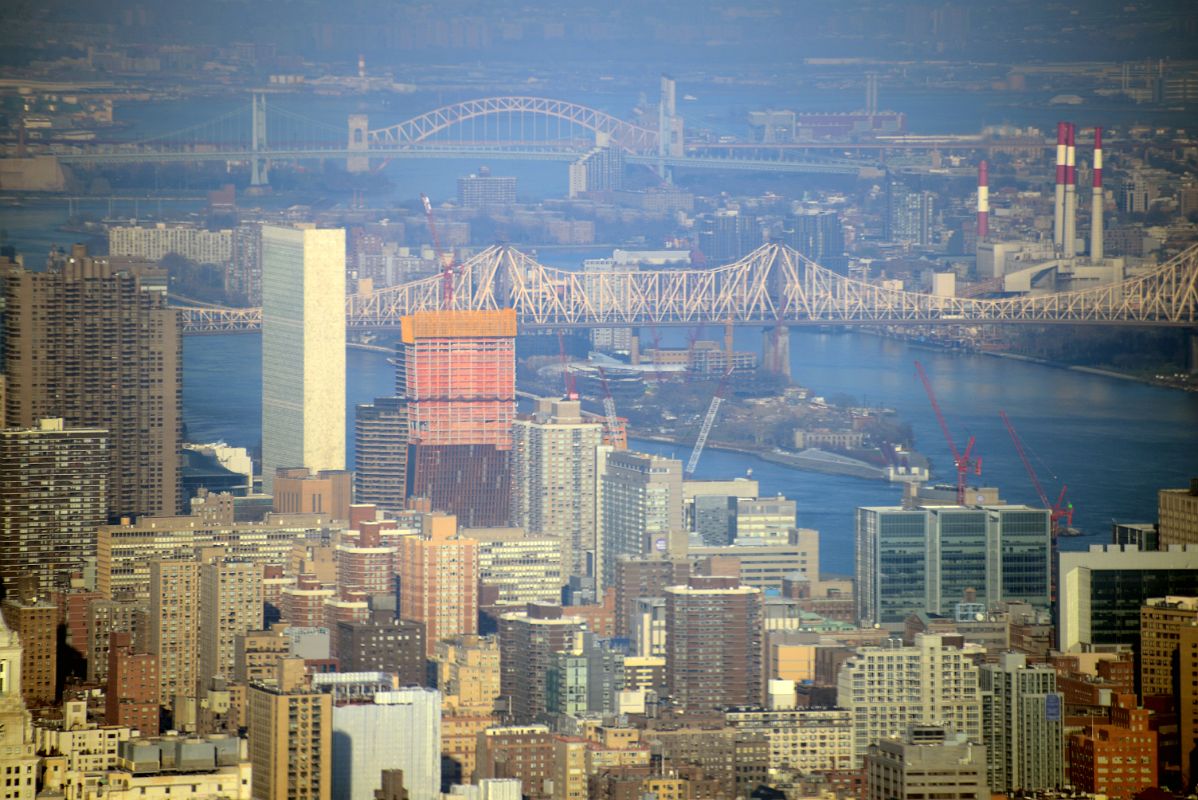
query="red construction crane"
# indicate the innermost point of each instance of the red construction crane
(963, 462)
(448, 265)
(1058, 511)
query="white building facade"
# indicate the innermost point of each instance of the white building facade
(303, 350)
(889, 689)
(399, 729)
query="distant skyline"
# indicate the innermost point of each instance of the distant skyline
(676, 31)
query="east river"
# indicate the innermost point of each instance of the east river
(1113, 442)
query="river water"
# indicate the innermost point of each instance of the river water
(1113, 442)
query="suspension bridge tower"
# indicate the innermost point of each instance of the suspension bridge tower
(259, 166)
(669, 125)
(358, 126)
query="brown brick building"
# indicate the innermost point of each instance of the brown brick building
(1117, 759)
(133, 695)
(395, 646)
(438, 580)
(713, 644)
(527, 641)
(35, 621)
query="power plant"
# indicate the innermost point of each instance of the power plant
(1062, 264)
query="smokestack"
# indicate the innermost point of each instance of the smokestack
(1070, 249)
(1096, 201)
(361, 66)
(1058, 208)
(983, 201)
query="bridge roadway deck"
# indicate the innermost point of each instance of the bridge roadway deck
(822, 165)
(773, 285)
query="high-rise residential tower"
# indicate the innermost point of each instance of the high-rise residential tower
(438, 580)
(53, 496)
(889, 689)
(174, 627)
(457, 372)
(290, 737)
(1022, 725)
(230, 605)
(641, 507)
(303, 350)
(553, 478)
(527, 641)
(34, 620)
(381, 453)
(91, 341)
(713, 644)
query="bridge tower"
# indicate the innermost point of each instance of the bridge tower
(669, 125)
(775, 349)
(259, 167)
(358, 142)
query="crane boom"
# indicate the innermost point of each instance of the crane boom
(927, 387)
(447, 264)
(609, 410)
(1059, 510)
(1027, 465)
(963, 462)
(708, 422)
(567, 375)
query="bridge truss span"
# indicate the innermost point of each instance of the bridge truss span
(772, 285)
(428, 126)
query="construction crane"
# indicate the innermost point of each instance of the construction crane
(655, 334)
(691, 338)
(448, 265)
(568, 376)
(1058, 511)
(614, 430)
(708, 421)
(963, 462)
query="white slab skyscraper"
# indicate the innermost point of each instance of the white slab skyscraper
(303, 350)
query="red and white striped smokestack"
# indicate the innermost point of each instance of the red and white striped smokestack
(1070, 248)
(1096, 201)
(983, 201)
(1058, 208)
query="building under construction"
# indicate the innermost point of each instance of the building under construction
(457, 372)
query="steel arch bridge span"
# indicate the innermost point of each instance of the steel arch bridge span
(630, 137)
(774, 285)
